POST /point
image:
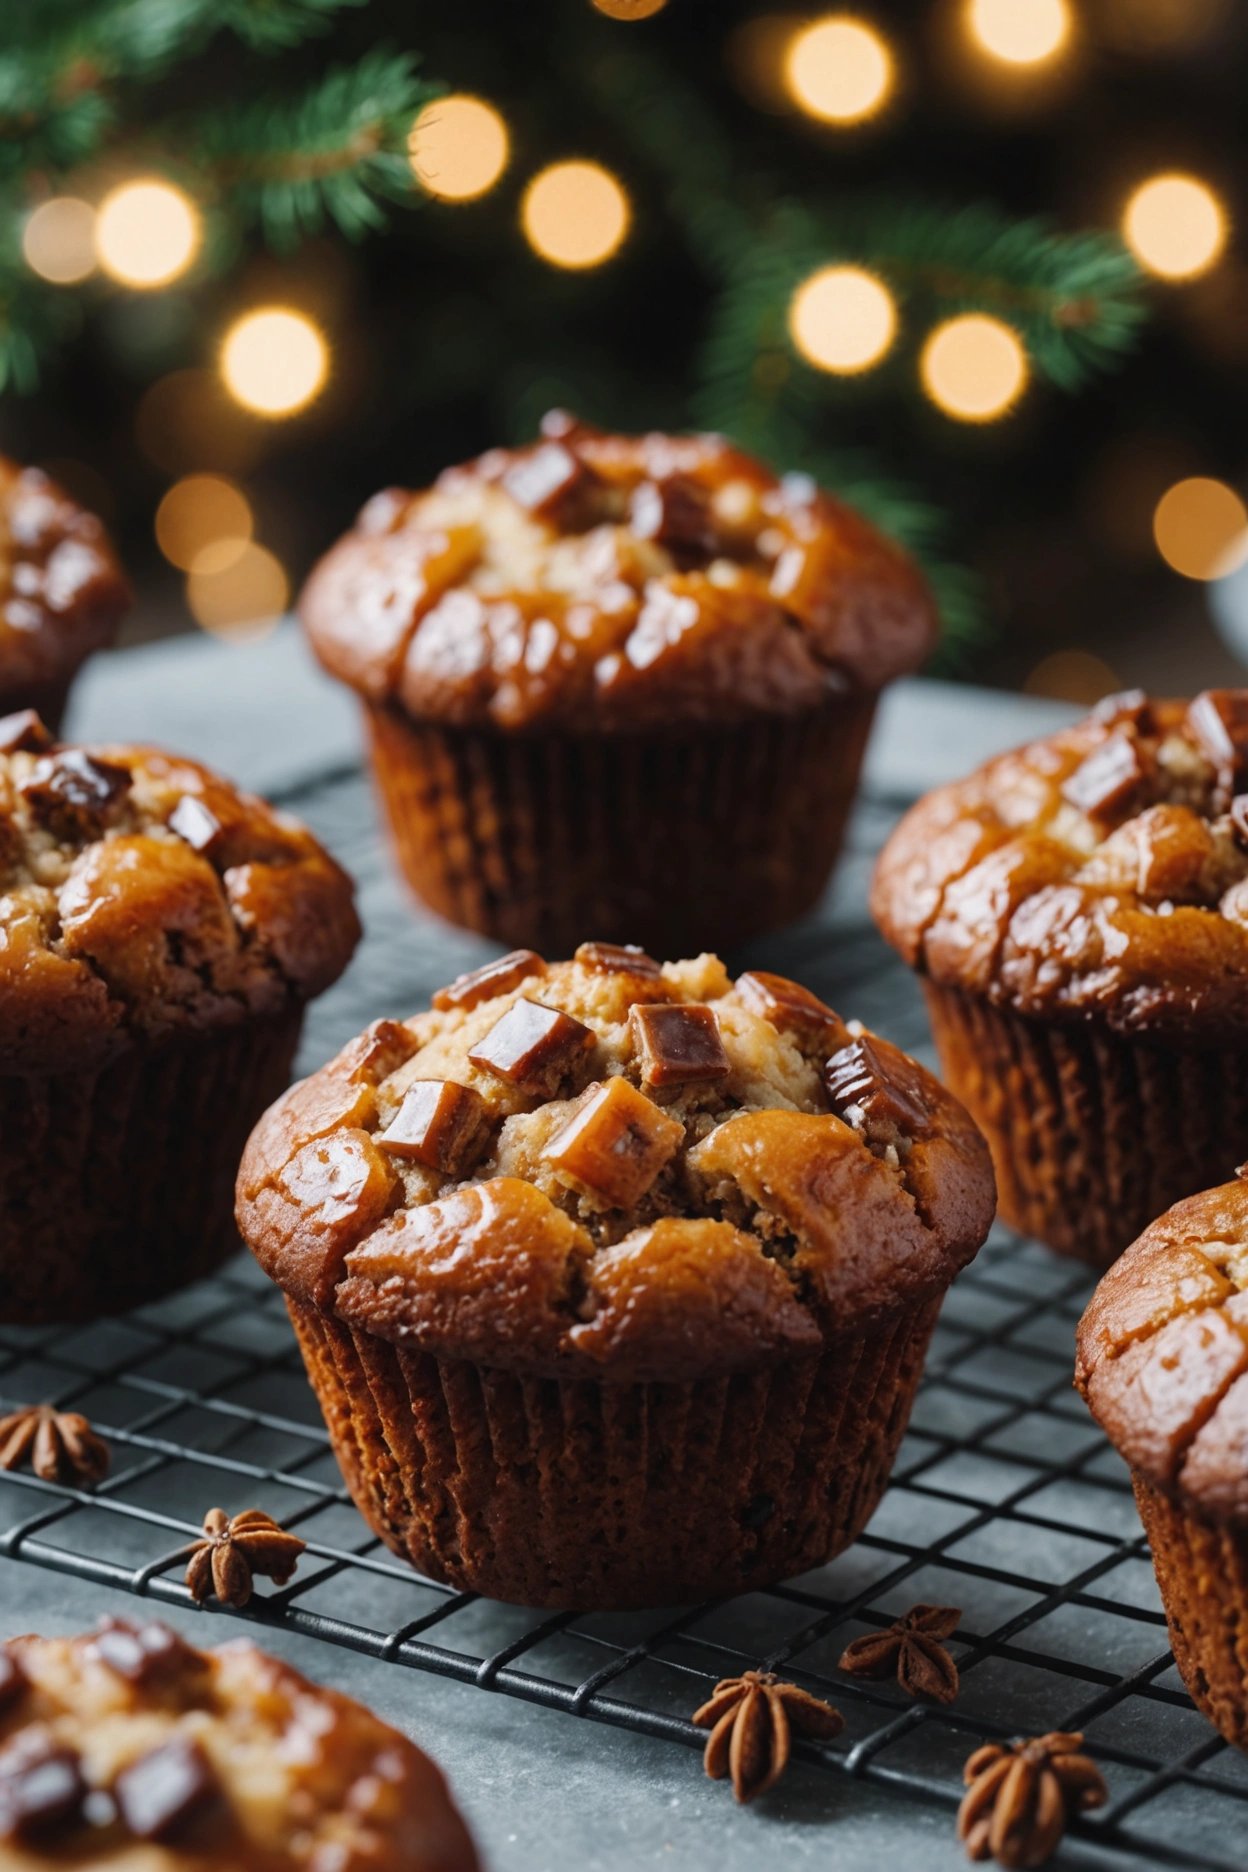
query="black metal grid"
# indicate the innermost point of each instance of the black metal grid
(1005, 1500)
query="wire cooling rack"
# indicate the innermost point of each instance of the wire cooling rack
(1005, 1500)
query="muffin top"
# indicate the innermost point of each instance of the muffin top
(603, 581)
(606, 1167)
(62, 592)
(1103, 871)
(1163, 1353)
(141, 894)
(127, 1748)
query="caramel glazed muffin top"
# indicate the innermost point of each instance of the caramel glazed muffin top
(602, 581)
(1163, 1353)
(62, 592)
(141, 895)
(604, 1168)
(1101, 872)
(128, 1749)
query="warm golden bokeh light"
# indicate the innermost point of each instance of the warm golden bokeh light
(58, 241)
(630, 9)
(974, 367)
(458, 147)
(203, 513)
(839, 69)
(1175, 226)
(1073, 676)
(146, 233)
(241, 600)
(1019, 32)
(842, 319)
(274, 361)
(575, 214)
(1201, 528)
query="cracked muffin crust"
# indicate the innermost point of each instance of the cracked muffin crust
(160, 933)
(1163, 1367)
(572, 629)
(129, 1749)
(637, 1189)
(1079, 912)
(62, 592)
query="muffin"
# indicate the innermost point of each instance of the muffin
(1163, 1365)
(617, 683)
(160, 934)
(129, 1748)
(1078, 911)
(615, 1280)
(62, 592)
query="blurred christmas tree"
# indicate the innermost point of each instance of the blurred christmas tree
(803, 306)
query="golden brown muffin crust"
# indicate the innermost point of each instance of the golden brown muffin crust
(600, 581)
(1100, 872)
(132, 1751)
(140, 894)
(607, 1168)
(62, 592)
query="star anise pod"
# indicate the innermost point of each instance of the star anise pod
(233, 1550)
(749, 1718)
(1020, 1795)
(910, 1646)
(61, 1445)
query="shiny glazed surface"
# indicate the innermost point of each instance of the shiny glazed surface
(62, 592)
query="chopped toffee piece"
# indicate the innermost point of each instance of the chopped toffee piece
(749, 1718)
(41, 1785)
(380, 1050)
(1239, 820)
(61, 1445)
(876, 1079)
(232, 1550)
(790, 1007)
(910, 1649)
(676, 512)
(192, 821)
(617, 959)
(73, 794)
(495, 978)
(532, 1046)
(145, 1654)
(553, 484)
(160, 1792)
(12, 1678)
(1217, 721)
(1020, 1795)
(1127, 705)
(615, 1144)
(440, 1124)
(1109, 779)
(678, 1045)
(23, 733)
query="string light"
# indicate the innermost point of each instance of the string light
(1175, 226)
(274, 361)
(204, 522)
(630, 9)
(146, 233)
(1019, 32)
(1201, 528)
(241, 601)
(974, 367)
(839, 70)
(458, 147)
(575, 214)
(1073, 676)
(58, 241)
(842, 319)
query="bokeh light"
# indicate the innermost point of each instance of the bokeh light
(842, 319)
(1201, 528)
(58, 241)
(1073, 676)
(274, 361)
(630, 9)
(839, 69)
(1019, 32)
(242, 600)
(974, 367)
(575, 214)
(458, 147)
(146, 233)
(1175, 226)
(203, 515)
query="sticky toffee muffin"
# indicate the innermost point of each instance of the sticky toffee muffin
(615, 1280)
(160, 934)
(619, 683)
(62, 592)
(1163, 1365)
(1078, 911)
(128, 1748)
